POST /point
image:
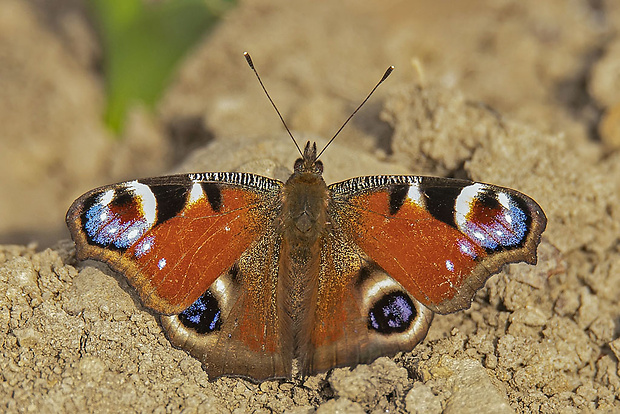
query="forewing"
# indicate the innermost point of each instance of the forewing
(172, 237)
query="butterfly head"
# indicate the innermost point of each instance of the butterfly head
(309, 163)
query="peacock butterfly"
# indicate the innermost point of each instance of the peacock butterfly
(260, 278)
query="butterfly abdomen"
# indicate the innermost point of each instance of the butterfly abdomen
(304, 218)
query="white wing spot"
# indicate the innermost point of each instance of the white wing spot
(415, 196)
(219, 286)
(196, 193)
(504, 200)
(466, 247)
(147, 200)
(464, 203)
(144, 246)
(450, 265)
(106, 197)
(133, 234)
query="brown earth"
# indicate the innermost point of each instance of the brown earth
(516, 93)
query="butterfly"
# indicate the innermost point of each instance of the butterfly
(264, 279)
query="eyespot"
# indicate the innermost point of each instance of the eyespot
(392, 313)
(495, 220)
(203, 316)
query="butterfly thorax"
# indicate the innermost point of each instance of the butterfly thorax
(304, 209)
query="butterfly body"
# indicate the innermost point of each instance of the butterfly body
(259, 278)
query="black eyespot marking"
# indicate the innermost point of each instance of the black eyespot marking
(171, 200)
(393, 313)
(122, 197)
(440, 202)
(214, 195)
(364, 274)
(488, 199)
(398, 195)
(203, 316)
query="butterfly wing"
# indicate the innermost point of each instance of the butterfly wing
(202, 250)
(172, 237)
(401, 246)
(441, 239)
(237, 327)
(360, 312)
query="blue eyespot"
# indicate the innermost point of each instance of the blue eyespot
(393, 313)
(203, 316)
(493, 220)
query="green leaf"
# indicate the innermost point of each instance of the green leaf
(143, 43)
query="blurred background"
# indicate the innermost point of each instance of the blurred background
(95, 91)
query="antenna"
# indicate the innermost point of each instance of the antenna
(249, 60)
(384, 77)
